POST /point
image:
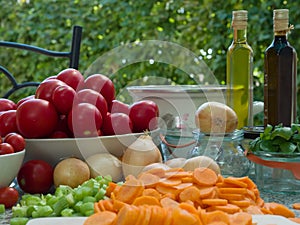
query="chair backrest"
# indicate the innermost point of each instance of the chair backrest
(72, 55)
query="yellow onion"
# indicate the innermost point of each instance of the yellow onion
(139, 154)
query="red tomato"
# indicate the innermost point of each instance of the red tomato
(25, 99)
(46, 88)
(62, 98)
(84, 120)
(94, 98)
(71, 77)
(116, 123)
(62, 128)
(8, 122)
(101, 84)
(8, 196)
(35, 176)
(119, 107)
(144, 115)
(36, 118)
(16, 141)
(6, 104)
(6, 148)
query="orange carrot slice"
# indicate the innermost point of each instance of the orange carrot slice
(205, 176)
(146, 200)
(104, 218)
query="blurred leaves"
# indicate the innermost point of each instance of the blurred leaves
(201, 26)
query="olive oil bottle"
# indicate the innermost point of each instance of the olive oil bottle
(239, 71)
(280, 85)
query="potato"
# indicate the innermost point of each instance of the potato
(216, 117)
(201, 161)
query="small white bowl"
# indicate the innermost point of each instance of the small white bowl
(54, 150)
(9, 167)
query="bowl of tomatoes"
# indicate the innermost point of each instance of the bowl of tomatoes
(53, 150)
(12, 153)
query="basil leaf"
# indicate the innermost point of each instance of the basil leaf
(267, 146)
(288, 147)
(284, 132)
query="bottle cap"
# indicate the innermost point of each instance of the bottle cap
(239, 19)
(281, 20)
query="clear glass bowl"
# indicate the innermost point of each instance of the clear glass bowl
(225, 149)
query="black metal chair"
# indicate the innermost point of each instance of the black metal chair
(72, 55)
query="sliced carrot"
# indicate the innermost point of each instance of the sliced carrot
(169, 203)
(108, 205)
(266, 211)
(141, 219)
(240, 218)
(97, 207)
(151, 192)
(148, 179)
(279, 209)
(259, 201)
(216, 216)
(104, 218)
(188, 207)
(242, 203)
(231, 196)
(248, 181)
(181, 216)
(110, 188)
(170, 181)
(118, 205)
(205, 176)
(167, 189)
(191, 193)
(234, 181)
(207, 192)
(296, 205)
(232, 190)
(229, 208)
(187, 179)
(169, 218)
(183, 186)
(253, 209)
(214, 201)
(146, 200)
(177, 173)
(157, 171)
(127, 215)
(131, 189)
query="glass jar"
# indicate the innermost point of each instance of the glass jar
(226, 150)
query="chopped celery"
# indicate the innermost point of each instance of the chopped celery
(19, 220)
(85, 208)
(65, 201)
(2, 208)
(67, 212)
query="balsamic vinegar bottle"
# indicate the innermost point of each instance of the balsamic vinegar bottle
(239, 71)
(280, 85)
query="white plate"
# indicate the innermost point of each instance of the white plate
(259, 219)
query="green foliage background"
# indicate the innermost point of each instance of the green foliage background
(201, 26)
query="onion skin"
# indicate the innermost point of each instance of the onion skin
(216, 117)
(103, 164)
(71, 172)
(139, 154)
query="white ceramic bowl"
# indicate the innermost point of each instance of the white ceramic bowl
(9, 167)
(54, 150)
(179, 101)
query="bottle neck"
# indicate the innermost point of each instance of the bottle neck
(240, 35)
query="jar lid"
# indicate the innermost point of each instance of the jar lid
(252, 132)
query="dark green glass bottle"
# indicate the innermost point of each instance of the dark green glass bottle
(280, 85)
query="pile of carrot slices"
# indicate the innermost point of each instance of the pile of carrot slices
(175, 196)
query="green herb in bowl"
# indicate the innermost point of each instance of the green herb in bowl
(278, 140)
